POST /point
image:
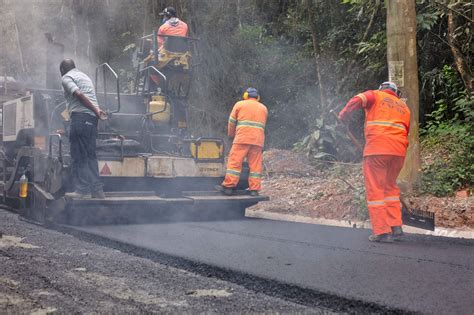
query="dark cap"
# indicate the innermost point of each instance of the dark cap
(169, 12)
(252, 92)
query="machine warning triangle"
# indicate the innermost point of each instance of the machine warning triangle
(105, 170)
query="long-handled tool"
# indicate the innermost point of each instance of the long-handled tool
(413, 217)
(348, 132)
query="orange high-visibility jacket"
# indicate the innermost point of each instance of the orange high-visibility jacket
(387, 122)
(247, 122)
(173, 27)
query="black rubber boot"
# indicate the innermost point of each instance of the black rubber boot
(397, 233)
(99, 194)
(225, 190)
(254, 193)
(381, 238)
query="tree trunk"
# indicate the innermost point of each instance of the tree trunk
(403, 70)
(316, 50)
(463, 69)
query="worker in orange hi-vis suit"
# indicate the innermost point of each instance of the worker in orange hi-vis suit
(387, 122)
(247, 126)
(171, 26)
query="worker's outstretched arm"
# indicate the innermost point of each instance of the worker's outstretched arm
(231, 127)
(362, 100)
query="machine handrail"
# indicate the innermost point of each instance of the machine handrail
(119, 137)
(105, 66)
(147, 69)
(60, 142)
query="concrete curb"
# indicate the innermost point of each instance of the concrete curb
(445, 232)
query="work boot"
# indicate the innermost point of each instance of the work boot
(381, 238)
(78, 195)
(397, 233)
(98, 194)
(254, 193)
(225, 190)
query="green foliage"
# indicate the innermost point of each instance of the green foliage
(327, 142)
(356, 188)
(359, 200)
(448, 136)
(426, 20)
(452, 165)
(373, 51)
(453, 104)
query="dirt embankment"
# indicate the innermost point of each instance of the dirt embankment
(336, 191)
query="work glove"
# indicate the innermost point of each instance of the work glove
(342, 118)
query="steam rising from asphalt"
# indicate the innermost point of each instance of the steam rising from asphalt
(24, 24)
(86, 38)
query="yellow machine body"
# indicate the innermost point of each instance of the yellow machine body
(207, 150)
(163, 111)
(176, 59)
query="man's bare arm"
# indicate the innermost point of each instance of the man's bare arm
(87, 103)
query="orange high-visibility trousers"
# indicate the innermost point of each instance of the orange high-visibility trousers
(382, 192)
(237, 154)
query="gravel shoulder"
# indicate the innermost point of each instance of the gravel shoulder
(45, 271)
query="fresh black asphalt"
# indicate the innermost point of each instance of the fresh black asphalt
(421, 274)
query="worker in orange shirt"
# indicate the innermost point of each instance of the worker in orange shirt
(171, 26)
(247, 127)
(387, 122)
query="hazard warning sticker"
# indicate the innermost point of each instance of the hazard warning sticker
(105, 170)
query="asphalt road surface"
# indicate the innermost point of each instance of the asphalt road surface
(421, 274)
(44, 272)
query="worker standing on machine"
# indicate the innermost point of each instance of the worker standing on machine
(84, 113)
(387, 122)
(171, 26)
(247, 127)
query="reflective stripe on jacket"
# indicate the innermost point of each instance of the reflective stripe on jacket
(387, 122)
(247, 122)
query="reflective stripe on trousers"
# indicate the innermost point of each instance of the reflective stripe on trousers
(382, 192)
(237, 154)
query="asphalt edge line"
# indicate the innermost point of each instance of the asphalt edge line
(289, 292)
(439, 231)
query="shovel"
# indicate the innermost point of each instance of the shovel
(412, 217)
(417, 218)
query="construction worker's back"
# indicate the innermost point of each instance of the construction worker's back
(172, 26)
(249, 118)
(247, 127)
(387, 122)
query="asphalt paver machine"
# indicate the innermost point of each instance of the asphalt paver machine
(151, 166)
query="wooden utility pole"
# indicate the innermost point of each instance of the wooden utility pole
(403, 70)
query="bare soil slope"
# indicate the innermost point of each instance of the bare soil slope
(336, 191)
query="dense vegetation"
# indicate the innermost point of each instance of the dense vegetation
(305, 56)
